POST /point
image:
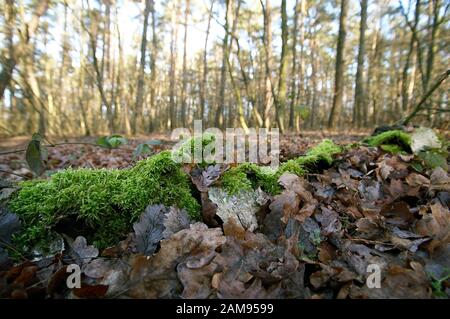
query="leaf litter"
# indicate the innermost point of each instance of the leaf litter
(315, 239)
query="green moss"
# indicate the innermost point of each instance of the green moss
(250, 176)
(322, 152)
(390, 139)
(292, 166)
(235, 180)
(188, 149)
(392, 148)
(106, 201)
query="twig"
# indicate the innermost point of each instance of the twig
(55, 145)
(11, 173)
(8, 245)
(419, 105)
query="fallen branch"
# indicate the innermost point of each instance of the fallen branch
(421, 103)
(55, 145)
(11, 173)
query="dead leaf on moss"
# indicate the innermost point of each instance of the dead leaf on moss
(203, 178)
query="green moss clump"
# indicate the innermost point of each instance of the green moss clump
(106, 201)
(391, 141)
(188, 149)
(250, 176)
(322, 152)
(392, 148)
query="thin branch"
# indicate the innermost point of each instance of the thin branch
(55, 145)
(11, 173)
(419, 106)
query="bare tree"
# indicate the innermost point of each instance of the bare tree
(359, 82)
(137, 114)
(339, 73)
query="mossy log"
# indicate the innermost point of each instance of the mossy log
(107, 201)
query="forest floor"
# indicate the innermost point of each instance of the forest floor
(90, 156)
(328, 234)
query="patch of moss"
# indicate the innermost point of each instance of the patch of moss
(324, 151)
(391, 141)
(250, 176)
(106, 201)
(392, 148)
(192, 146)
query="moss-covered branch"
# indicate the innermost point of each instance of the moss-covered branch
(106, 201)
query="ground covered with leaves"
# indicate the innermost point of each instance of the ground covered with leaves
(383, 201)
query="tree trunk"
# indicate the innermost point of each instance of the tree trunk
(294, 66)
(185, 75)
(405, 95)
(359, 82)
(173, 64)
(281, 98)
(339, 73)
(220, 117)
(153, 63)
(137, 115)
(267, 38)
(21, 48)
(205, 65)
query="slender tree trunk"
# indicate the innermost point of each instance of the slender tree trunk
(205, 65)
(22, 47)
(137, 115)
(236, 89)
(281, 99)
(339, 73)
(405, 95)
(294, 66)
(173, 65)
(267, 38)
(153, 56)
(434, 12)
(359, 82)
(220, 116)
(185, 75)
(314, 109)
